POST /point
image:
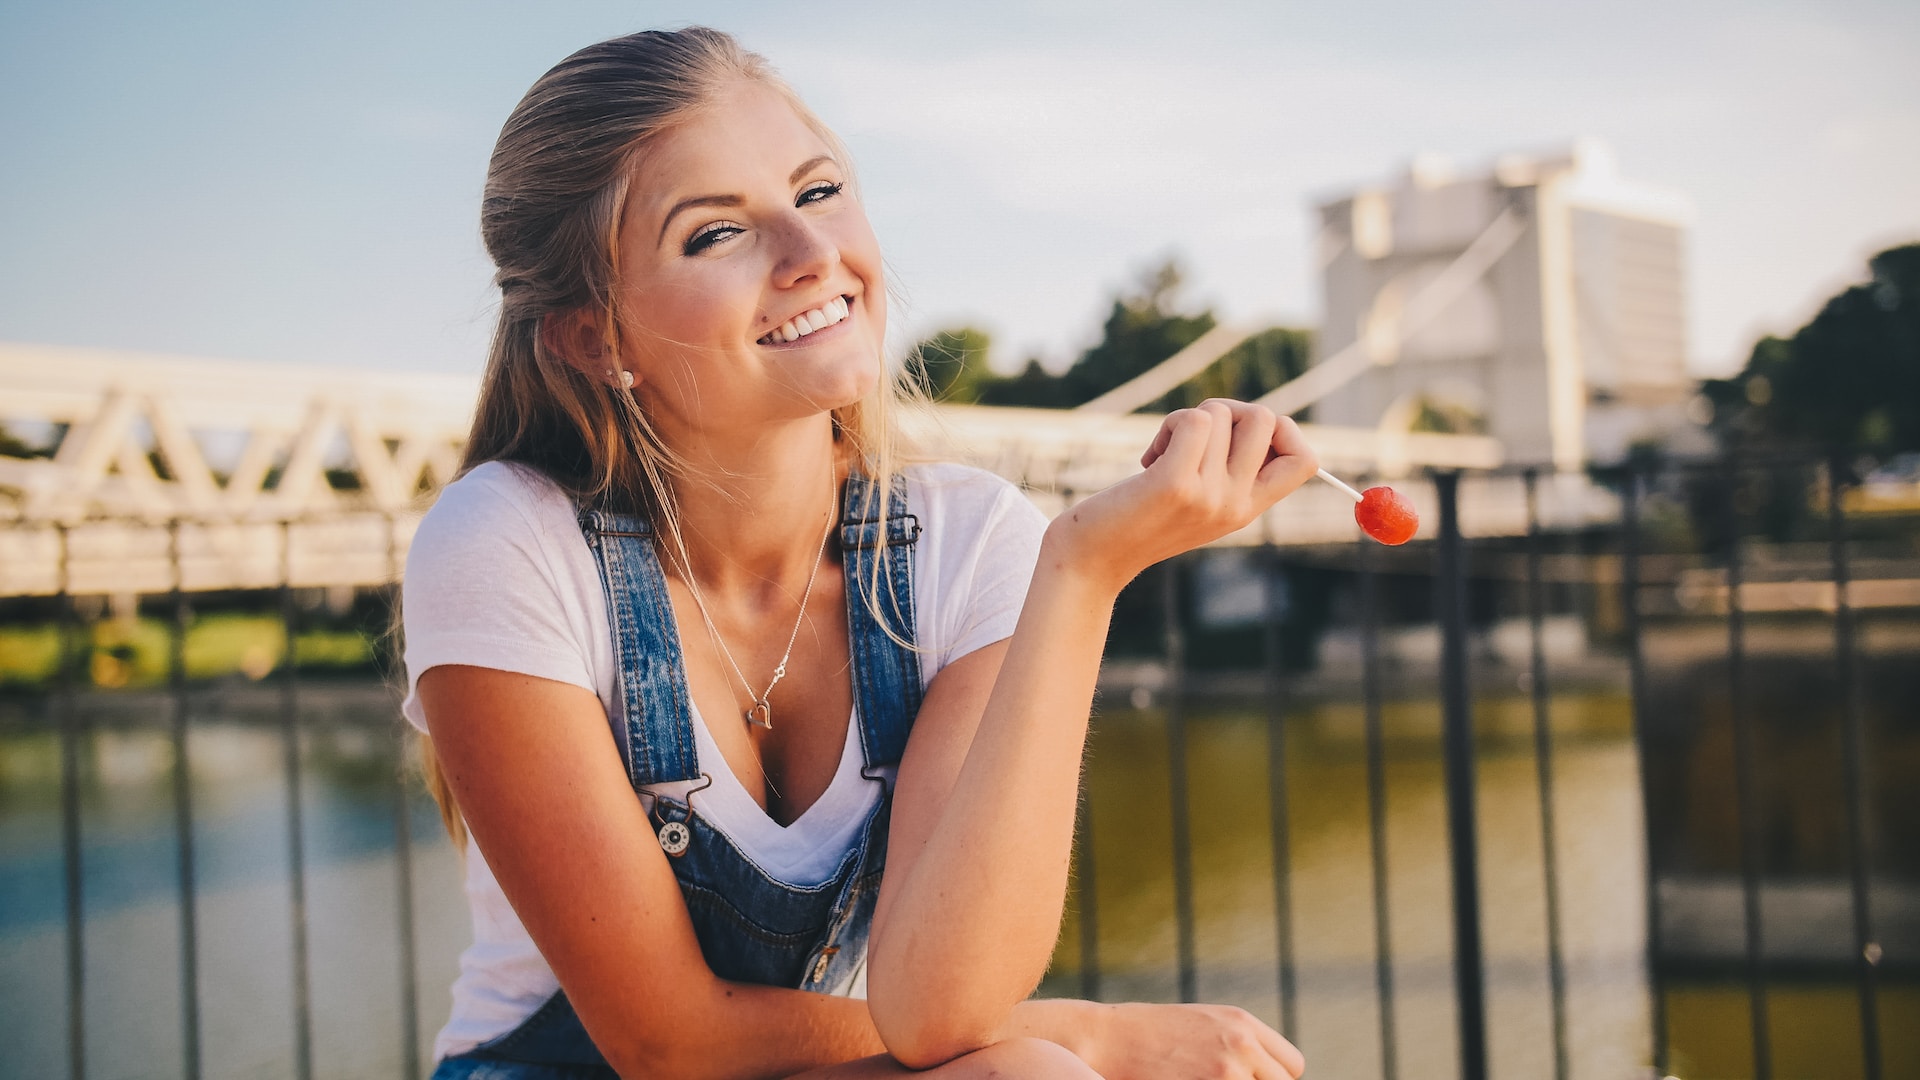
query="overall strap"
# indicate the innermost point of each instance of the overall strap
(658, 741)
(886, 671)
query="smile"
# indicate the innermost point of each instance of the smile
(831, 313)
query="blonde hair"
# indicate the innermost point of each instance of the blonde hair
(550, 217)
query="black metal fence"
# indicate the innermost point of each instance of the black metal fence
(1683, 530)
(1775, 791)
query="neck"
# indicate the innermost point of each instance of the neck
(752, 510)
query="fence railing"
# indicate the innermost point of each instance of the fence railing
(1646, 593)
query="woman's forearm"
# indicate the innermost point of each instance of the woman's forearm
(967, 934)
(776, 1031)
(964, 932)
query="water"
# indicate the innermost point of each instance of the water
(1601, 858)
(240, 838)
(132, 935)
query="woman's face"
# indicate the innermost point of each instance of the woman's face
(750, 282)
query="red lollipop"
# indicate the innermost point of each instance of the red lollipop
(1383, 513)
(1387, 516)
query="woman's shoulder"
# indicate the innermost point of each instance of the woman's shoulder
(951, 484)
(493, 507)
(501, 489)
(951, 495)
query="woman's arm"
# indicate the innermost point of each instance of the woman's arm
(541, 785)
(983, 817)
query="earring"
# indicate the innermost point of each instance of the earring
(625, 376)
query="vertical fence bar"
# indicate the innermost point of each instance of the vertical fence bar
(71, 852)
(409, 953)
(183, 816)
(1637, 682)
(1744, 780)
(1866, 951)
(1177, 778)
(296, 831)
(1457, 746)
(1377, 805)
(1543, 764)
(403, 864)
(1279, 827)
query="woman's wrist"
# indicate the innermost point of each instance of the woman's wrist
(1065, 554)
(1080, 1026)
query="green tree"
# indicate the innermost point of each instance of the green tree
(1264, 361)
(1849, 378)
(952, 364)
(1144, 327)
(1147, 324)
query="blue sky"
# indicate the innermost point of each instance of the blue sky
(300, 182)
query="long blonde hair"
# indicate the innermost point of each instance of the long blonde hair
(550, 217)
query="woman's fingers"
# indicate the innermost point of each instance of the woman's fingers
(1284, 1052)
(1159, 444)
(1252, 438)
(1293, 463)
(1182, 441)
(1219, 437)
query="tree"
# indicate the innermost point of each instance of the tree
(1850, 378)
(1269, 358)
(1143, 328)
(952, 364)
(1146, 325)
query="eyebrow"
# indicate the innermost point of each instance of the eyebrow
(733, 200)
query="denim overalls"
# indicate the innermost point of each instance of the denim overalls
(752, 927)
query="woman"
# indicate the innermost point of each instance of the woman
(853, 723)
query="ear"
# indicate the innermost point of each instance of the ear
(577, 337)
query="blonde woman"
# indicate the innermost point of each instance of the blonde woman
(767, 745)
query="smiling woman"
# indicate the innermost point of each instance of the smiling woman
(681, 488)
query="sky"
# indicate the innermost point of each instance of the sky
(300, 182)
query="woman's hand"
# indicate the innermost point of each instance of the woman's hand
(1187, 1042)
(1210, 471)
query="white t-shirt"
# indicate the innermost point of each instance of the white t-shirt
(500, 576)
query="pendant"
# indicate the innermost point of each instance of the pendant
(760, 715)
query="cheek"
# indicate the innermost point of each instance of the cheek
(862, 255)
(877, 312)
(686, 314)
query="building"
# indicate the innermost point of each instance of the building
(1541, 301)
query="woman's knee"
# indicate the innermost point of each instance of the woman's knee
(1025, 1059)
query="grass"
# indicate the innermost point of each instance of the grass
(119, 653)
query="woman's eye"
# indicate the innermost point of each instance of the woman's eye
(709, 235)
(818, 192)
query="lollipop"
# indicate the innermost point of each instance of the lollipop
(1382, 513)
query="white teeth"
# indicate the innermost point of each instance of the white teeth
(801, 325)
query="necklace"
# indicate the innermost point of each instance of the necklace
(760, 714)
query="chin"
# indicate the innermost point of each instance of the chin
(846, 386)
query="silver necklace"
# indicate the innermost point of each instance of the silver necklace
(760, 714)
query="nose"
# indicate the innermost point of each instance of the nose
(806, 253)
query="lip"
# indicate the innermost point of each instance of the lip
(822, 334)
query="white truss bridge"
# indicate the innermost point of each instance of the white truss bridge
(208, 475)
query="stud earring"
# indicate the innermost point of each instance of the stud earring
(626, 378)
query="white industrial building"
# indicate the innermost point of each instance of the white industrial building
(1541, 301)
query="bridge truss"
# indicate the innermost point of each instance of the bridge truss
(164, 472)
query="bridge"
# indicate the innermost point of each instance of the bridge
(165, 472)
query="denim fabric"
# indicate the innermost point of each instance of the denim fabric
(752, 926)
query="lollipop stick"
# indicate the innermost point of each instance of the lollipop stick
(1339, 483)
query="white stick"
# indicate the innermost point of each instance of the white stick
(1341, 484)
